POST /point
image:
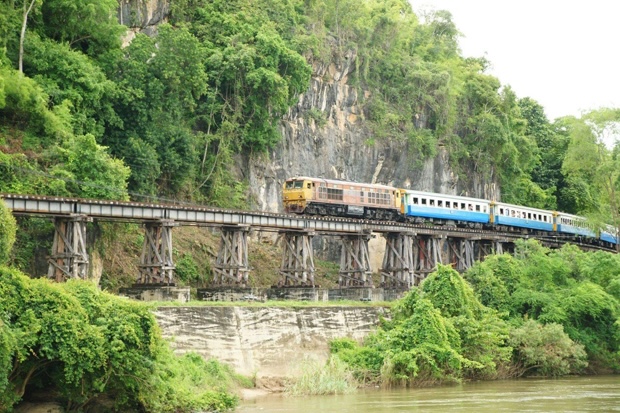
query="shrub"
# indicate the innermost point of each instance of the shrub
(83, 344)
(545, 350)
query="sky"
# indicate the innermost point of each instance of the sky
(563, 54)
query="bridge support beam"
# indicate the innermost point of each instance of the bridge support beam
(397, 270)
(156, 264)
(354, 261)
(461, 253)
(297, 267)
(231, 266)
(69, 258)
(427, 253)
(486, 247)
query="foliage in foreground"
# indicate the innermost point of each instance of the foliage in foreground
(439, 333)
(540, 312)
(87, 347)
(568, 287)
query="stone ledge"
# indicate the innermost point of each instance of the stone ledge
(299, 294)
(156, 293)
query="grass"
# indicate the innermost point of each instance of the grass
(316, 378)
(288, 303)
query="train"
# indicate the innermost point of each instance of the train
(331, 197)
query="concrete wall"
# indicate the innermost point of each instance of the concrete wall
(268, 342)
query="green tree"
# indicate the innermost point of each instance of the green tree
(160, 83)
(69, 75)
(88, 170)
(552, 146)
(88, 25)
(23, 105)
(590, 161)
(8, 229)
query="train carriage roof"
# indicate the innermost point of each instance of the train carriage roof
(565, 215)
(523, 208)
(446, 196)
(339, 182)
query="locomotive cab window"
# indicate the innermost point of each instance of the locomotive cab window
(309, 185)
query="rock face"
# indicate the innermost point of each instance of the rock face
(268, 342)
(342, 147)
(325, 133)
(142, 16)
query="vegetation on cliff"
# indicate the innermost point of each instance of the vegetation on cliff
(177, 106)
(164, 116)
(539, 312)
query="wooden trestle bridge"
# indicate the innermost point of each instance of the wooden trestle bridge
(412, 251)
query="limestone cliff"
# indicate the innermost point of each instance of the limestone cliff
(339, 145)
(142, 16)
(268, 342)
(343, 147)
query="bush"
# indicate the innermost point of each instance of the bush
(438, 333)
(545, 350)
(186, 269)
(83, 345)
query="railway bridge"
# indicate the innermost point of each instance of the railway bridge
(412, 250)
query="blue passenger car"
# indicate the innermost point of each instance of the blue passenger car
(573, 224)
(523, 217)
(609, 234)
(445, 207)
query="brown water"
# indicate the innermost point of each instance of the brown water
(575, 394)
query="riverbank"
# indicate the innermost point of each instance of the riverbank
(577, 394)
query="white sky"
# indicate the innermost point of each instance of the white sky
(563, 54)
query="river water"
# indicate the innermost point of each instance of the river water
(574, 394)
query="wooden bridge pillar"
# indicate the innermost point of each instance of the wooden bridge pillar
(297, 267)
(69, 258)
(354, 261)
(486, 247)
(156, 264)
(398, 262)
(461, 253)
(427, 253)
(231, 266)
